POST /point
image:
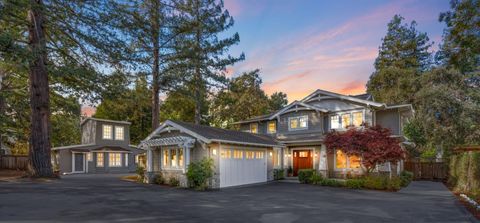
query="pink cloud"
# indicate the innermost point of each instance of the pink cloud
(354, 87)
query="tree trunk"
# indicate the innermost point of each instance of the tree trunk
(198, 76)
(40, 163)
(155, 17)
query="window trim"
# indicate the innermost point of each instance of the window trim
(123, 133)
(169, 165)
(340, 128)
(347, 162)
(125, 159)
(110, 164)
(268, 127)
(103, 132)
(103, 160)
(252, 124)
(297, 117)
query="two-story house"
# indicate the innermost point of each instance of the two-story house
(105, 148)
(291, 138)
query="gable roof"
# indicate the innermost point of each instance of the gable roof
(209, 134)
(366, 96)
(104, 120)
(357, 98)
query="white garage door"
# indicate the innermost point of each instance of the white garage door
(239, 167)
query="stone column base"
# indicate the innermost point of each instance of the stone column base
(149, 177)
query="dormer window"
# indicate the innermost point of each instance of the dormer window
(298, 123)
(272, 127)
(119, 133)
(107, 132)
(254, 128)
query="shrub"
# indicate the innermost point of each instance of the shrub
(140, 171)
(394, 184)
(305, 175)
(355, 183)
(376, 182)
(278, 174)
(316, 178)
(332, 183)
(405, 177)
(174, 182)
(159, 179)
(199, 173)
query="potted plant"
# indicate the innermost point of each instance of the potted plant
(290, 171)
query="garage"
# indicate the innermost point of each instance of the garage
(242, 166)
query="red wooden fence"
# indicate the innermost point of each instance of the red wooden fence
(13, 162)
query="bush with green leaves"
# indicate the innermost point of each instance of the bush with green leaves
(199, 173)
(173, 181)
(406, 177)
(332, 183)
(158, 179)
(140, 171)
(394, 184)
(316, 178)
(355, 183)
(278, 174)
(304, 175)
(464, 174)
(376, 182)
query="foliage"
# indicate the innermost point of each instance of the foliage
(140, 171)
(199, 173)
(355, 183)
(316, 178)
(133, 105)
(304, 175)
(158, 179)
(374, 144)
(180, 105)
(331, 183)
(405, 178)
(394, 184)
(402, 56)
(464, 174)
(173, 181)
(460, 48)
(376, 182)
(289, 170)
(278, 174)
(414, 132)
(243, 99)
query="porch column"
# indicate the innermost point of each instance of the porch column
(149, 159)
(322, 164)
(186, 160)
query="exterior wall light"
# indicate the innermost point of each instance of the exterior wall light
(214, 151)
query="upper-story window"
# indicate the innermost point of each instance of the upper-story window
(107, 132)
(272, 127)
(119, 133)
(298, 123)
(345, 120)
(254, 127)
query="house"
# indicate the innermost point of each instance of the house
(105, 148)
(290, 138)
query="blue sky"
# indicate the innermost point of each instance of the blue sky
(303, 45)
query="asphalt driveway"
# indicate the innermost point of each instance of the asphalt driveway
(104, 198)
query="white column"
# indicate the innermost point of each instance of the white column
(322, 164)
(149, 160)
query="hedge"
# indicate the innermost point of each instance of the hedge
(464, 174)
(304, 175)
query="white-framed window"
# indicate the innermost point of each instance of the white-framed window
(347, 119)
(173, 157)
(334, 122)
(106, 131)
(254, 127)
(119, 133)
(114, 159)
(165, 157)
(344, 161)
(126, 159)
(89, 156)
(100, 160)
(272, 127)
(237, 154)
(298, 123)
(180, 157)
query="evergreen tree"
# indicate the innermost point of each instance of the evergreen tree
(402, 57)
(461, 40)
(278, 100)
(200, 54)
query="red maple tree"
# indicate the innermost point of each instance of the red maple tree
(374, 144)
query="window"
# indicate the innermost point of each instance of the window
(114, 159)
(173, 157)
(276, 157)
(180, 157)
(346, 120)
(126, 159)
(334, 122)
(137, 158)
(89, 156)
(100, 159)
(165, 157)
(272, 127)
(107, 132)
(357, 118)
(254, 128)
(342, 161)
(249, 155)
(119, 133)
(298, 123)
(237, 154)
(226, 154)
(302, 154)
(259, 155)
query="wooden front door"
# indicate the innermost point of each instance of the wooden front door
(302, 159)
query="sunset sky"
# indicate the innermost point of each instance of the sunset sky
(300, 46)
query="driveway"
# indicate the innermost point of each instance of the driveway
(105, 198)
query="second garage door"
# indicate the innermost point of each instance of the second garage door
(239, 167)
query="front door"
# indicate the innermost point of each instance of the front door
(79, 164)
(302, 159)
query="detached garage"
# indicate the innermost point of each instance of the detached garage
(240, 158)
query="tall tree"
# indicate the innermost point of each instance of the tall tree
(54, 40)
(402, 57)
(278, 100)
(200, 51)
(461, 39)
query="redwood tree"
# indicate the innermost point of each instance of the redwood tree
(374, 144)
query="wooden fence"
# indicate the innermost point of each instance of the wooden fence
(13, 162)
(427, 170)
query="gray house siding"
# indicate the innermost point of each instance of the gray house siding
(112, 142)
(65, 161)
(389, 119)
(89, 132)
(314, 122)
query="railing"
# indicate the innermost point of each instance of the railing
(13, 162)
